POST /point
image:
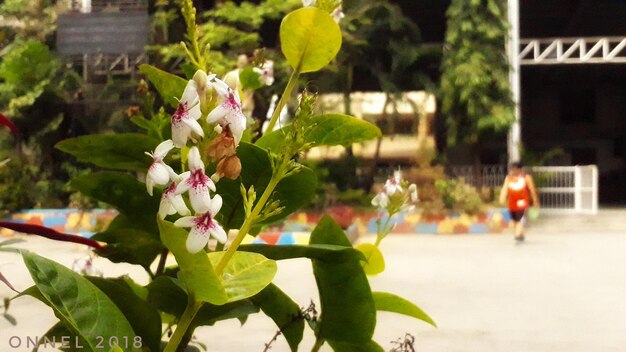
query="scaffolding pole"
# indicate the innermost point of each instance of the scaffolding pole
(514, 141)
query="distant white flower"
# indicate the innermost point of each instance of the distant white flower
(172, 203)
(184, 119)
(203, 226)
(196, 182)
(392, 185)
(266, 72)
(228, 112)
(381, 200)
(159, 172)
(307, 3)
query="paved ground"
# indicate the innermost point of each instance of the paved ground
(562, 290)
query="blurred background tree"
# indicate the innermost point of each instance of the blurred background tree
(475, 88)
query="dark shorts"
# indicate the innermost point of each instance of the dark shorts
(517, 215)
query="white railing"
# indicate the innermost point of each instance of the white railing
(562, 189)
(592, 50)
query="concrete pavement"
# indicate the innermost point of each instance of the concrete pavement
(556, 292)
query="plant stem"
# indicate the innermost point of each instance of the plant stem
(183, 325)
(161, 267)
(293, 80)
(318, 344)
(243, 231)
(385, 230)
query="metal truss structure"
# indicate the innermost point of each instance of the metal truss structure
(591, 50)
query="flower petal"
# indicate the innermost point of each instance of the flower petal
(180, 134)
(183, 185)
(194, 161)
(190, 94)
(162, 149)
(194, 112)
(194, 126)
(159, 173)
(186, 221)
(200, 199)
(197, 240)
(165, 207)
(217, 231)
(221, 88)
(216, 205)
(149, 185)
(217, 114)
(178, 203)
(237, 124)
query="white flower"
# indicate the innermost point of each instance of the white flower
(392, 186)
(184, 119)
(159, 172)
(381, 200)
(172, 203)
(307, 3)
(228, 113)
(266, 72)
(203, 226)
(196, 182)
(337, 14)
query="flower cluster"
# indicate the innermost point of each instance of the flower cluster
(229, 122)
(394, 197)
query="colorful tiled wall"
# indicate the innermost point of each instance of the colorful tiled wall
(293, 231)
(74, 221)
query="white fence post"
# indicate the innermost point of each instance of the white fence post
(595, 190)
(578, 191)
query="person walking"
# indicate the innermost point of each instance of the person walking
(519, 188)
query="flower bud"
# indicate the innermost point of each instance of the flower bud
(229, 167)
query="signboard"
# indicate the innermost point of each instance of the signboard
(102, 33)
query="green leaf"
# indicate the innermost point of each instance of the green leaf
(348, 311)
(4, 247)
(122, 151)
(144, 318)
(196, 270)
(125, 193)
(129, 246)
(327, 130)
(374, 261)
(250, 79)
(246, 274)
(370, 346)
(324, 252)
(293, 191)
(170, 298)
(284, 312)
(338, 129)
(310, 39)
(78, 303)
(169, 86)
(389, 302)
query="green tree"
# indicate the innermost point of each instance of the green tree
(474, 84)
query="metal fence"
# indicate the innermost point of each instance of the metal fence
(567, 189)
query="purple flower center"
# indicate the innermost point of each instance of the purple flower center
(170, 190)
(181, 113)
(198, 179)
(204, 222)
(231, 102)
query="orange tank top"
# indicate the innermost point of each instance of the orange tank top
(517, 193)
